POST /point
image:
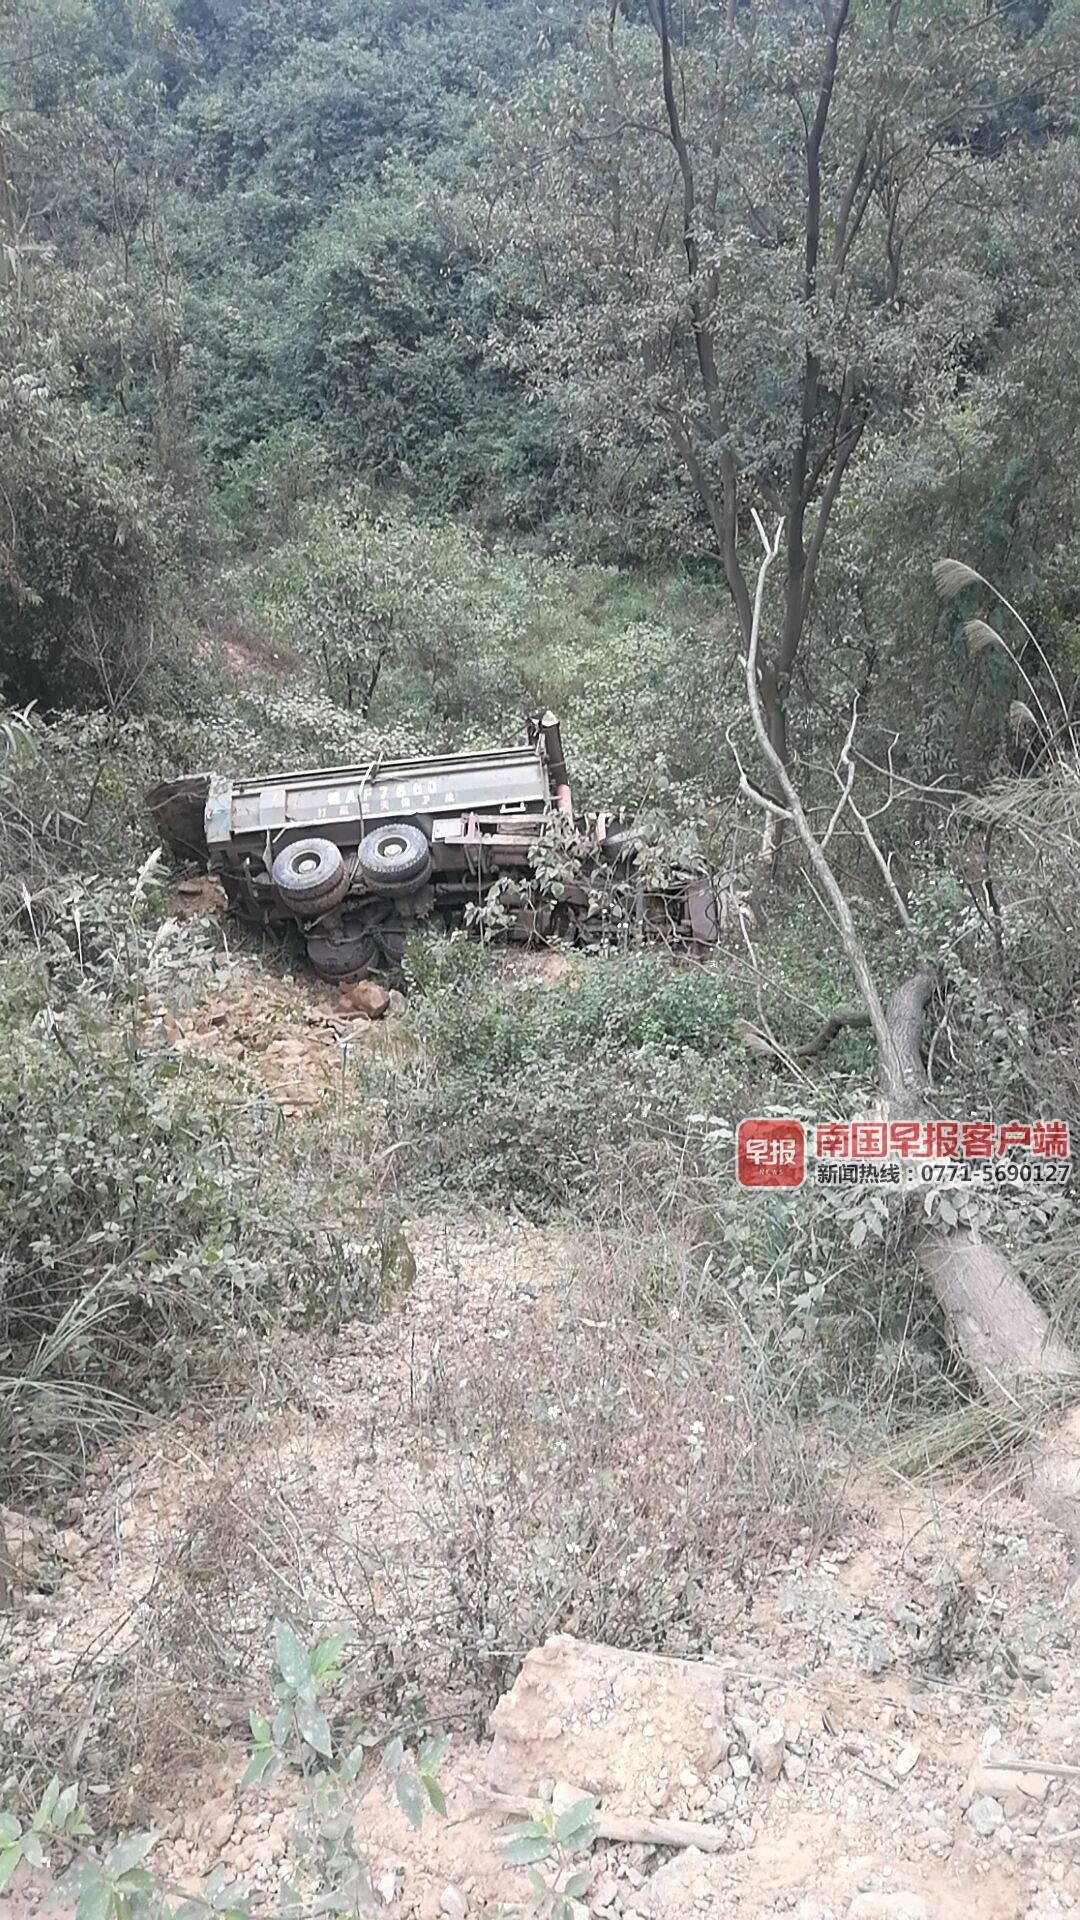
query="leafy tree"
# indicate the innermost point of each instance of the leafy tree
(98, 503)
(765, 238)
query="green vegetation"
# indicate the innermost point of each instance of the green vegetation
(371, 377)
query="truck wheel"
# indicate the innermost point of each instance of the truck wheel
(619, 847)
(310, 876)
(338, 959)
(394, 859)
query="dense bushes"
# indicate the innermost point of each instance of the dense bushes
(547, 1095)
(87, 544)
(147, 1224)
(152, 1212)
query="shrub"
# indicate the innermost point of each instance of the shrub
(531, 1093)
(150, 1212)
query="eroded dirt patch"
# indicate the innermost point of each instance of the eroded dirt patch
(298, 1036)
(861, 1689)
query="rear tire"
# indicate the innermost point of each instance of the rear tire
(394, 859)
(619, 847)
(310, 876)
(340, 959)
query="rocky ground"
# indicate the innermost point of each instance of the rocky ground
(880, 1726)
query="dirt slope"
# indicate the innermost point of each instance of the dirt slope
(861, 1681)
(934, 1635)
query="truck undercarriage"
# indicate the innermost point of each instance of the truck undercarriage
(353, 856)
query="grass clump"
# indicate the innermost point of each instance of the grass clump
(527, 1090)
(152, 1219)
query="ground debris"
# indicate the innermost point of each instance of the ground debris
(340, 1490)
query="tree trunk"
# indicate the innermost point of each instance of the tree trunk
(1003, 1336)
(7, 1572)
(1001, 1333)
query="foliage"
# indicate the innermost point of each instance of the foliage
(552, 1839)
(58, 1813)
(100, 503)
(120, 1885)
(759, 244)
(145, 1218)
(381, 604)
(89, 543)
(536, 1095)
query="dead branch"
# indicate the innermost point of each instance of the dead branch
(1002, 1334)
(627, 1828)
(759, 1042)
(7, 1571)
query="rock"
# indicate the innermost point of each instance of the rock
(907, 1760)
(398, 1002)
(985, 1815)
(203, 894)
(604, 1893)
(740, 1766)
(998, 1783)
(670, 1892)
(565, 1795)
(366, 998)
(388, 1884)
(223, 1828)
(794, 1767)
(573, 1685)
(767, 1750)
(453, 1904)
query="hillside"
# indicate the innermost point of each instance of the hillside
(408, 1405)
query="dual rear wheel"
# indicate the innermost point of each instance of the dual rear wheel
(312, 877)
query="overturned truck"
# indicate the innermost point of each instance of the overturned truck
(352, 856)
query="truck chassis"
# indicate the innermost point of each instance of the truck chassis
(352, 856)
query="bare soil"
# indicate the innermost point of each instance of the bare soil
(836, 1725)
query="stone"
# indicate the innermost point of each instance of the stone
(767, 1750)
(671, 1890)
(388, 1884)
(565, 1795)
(604, 1893)
(398, 1002)
(222, 1830)
(1000, 1782)
(985, 1815)
(907, 1760)
(565, 1683)
(453, 1904)
(366, 998)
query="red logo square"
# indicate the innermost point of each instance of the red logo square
(771, 1153)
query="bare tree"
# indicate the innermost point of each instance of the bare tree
(830, 420)
(1000, 1332)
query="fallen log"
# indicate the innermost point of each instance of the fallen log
(831, 1026)
(996, 1326)
(626, 1827)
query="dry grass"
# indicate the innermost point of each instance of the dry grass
(615, 1473)
(599, 1460)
